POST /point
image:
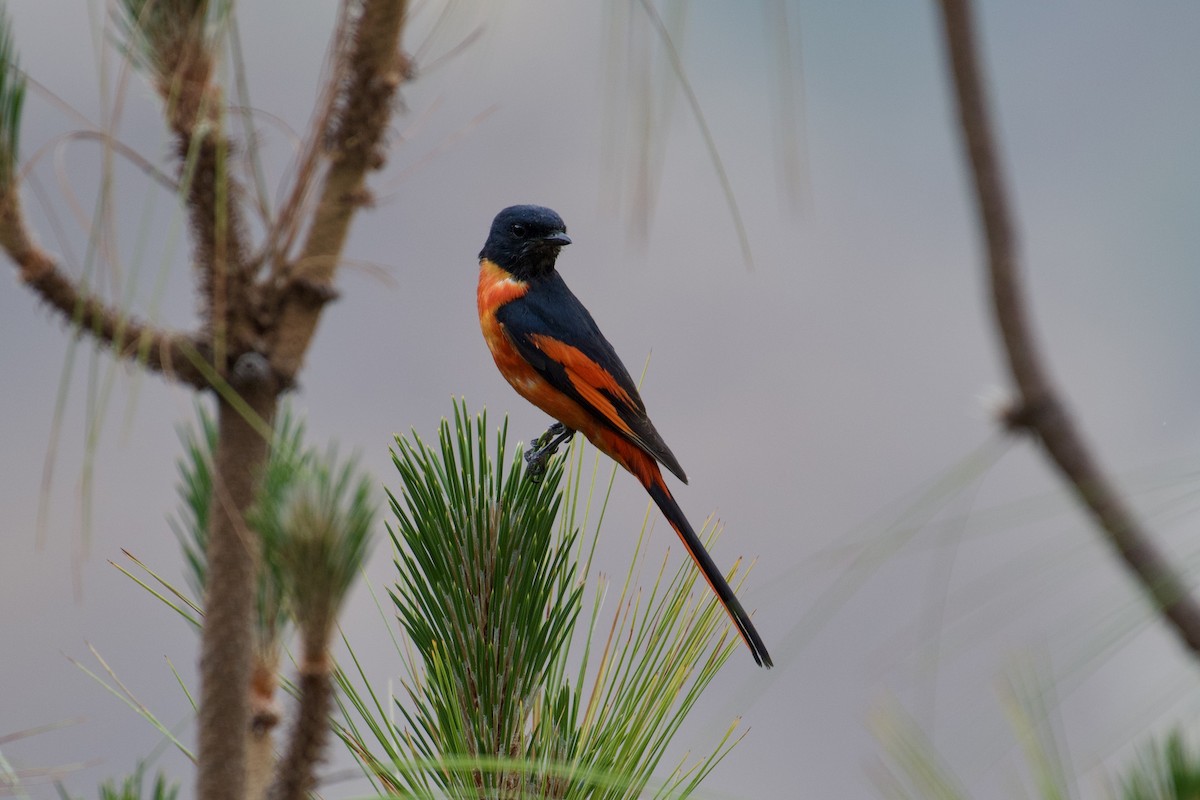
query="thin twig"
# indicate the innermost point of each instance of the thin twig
(296, 774)
(1040, 410)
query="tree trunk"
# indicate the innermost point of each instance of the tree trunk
(233, 556)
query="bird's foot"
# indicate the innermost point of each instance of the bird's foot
(543, 447)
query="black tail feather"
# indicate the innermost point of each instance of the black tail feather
(741, 620)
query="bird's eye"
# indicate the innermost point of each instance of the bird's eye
(518, 230)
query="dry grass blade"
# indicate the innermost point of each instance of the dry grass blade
(710, 143)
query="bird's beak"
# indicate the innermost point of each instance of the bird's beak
(559, 239)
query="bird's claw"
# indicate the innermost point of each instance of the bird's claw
(535, 465)
(542, 448)
(557, 429)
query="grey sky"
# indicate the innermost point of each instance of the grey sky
(809, 400)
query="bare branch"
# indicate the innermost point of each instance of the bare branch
(292, 211)
(375, 69)
(1040, 410)
(175, 45)
(296, 775)
(215, 210)
(172, 354)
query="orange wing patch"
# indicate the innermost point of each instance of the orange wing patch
(589, 379)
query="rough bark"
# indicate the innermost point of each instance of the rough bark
(233, 557)
(174, 355)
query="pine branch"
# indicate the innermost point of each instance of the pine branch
(355, 138)
(297, 775)
(174, 355)
(310, 163)
(171, 40)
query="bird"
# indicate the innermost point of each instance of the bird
(548, 347)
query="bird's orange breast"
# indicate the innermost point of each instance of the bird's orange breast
(497, 287)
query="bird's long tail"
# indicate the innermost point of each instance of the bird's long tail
(737, 614)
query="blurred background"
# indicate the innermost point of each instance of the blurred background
(831, 400)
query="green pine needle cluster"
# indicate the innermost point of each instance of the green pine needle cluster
(131, 789)
(1167, 771)
(194, 489)
(481, 595)
(288, 461)
(313, 517)
(12, 98)
(320, 528)
(508, 695)
(156, 32)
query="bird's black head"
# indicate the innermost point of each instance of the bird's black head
(525, 240)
